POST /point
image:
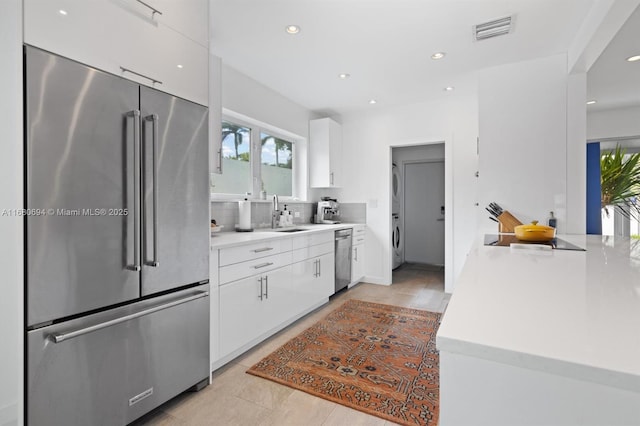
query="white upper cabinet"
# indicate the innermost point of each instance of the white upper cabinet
(188, 17)
(325, 153)
(114, 34)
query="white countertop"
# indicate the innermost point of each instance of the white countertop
(569, 313)
(230, 239)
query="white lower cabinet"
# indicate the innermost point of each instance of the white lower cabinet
(252, 306)
(357, 263)
(313, 280)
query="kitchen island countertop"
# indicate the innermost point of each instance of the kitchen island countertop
(569, 313)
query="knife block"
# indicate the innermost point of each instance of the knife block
(506, 222)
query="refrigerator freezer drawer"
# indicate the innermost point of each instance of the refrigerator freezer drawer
(112, 367)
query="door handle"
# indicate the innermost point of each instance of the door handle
(319, 268)
(260, 250)
(220, 160)
(263, 265)
(154, 139)
(153, 80)
(260, 281)
(136, 191)
(356, 250)
(61, 337)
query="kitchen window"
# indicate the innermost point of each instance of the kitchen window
(276, 159)
(236, 160)
(257, 157)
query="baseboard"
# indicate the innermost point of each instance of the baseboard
(375, 280)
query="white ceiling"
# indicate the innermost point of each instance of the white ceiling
(385, 45)
(612, 81)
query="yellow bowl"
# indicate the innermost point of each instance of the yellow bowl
(535, 232)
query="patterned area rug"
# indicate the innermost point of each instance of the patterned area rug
(375, 358)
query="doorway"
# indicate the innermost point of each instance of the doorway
(424, 212)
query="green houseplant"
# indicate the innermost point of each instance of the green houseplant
(620, 182)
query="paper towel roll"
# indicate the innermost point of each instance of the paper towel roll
(244, 219)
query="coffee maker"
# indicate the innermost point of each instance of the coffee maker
(328, 211)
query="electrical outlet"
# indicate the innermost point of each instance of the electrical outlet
(296, 214)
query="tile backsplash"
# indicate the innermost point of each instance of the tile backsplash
(226, 213)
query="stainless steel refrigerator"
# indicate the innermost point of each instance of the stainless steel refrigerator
(117, 247)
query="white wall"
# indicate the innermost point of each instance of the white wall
(367, 141)
(613, 123)
(11, 190)
(523, 139)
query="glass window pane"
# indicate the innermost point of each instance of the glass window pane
(236, 165)
(277, 165)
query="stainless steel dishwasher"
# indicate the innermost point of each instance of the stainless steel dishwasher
(343, 258)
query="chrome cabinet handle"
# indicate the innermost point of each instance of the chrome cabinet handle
(136, 190)
(315, 268)
(263, 265)
(61, 337)
(266, 286)
(262, 249)
(319, 268)
(260, 295)
(220, 160)
(360, 239)
(331, 179)
(154, 138)
(356, 249)
(153, 80)
(153, 9)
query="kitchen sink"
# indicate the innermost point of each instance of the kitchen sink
(290, 230)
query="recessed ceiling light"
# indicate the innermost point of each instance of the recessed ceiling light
(344, 76)
(591, 102)
(633, 58)
(292, 29)
(373, 101)
(438, 55)
(62, 12)
(180, 66)
(449, 89)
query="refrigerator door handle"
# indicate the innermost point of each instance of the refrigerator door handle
(136, 190)
(154, 137)
(61, 337)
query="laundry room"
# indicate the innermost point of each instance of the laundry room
(418, 200)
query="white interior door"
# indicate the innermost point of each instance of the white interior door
(424, 212)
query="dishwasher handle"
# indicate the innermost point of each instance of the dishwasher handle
(61, 337)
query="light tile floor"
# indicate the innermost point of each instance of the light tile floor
(238, 399)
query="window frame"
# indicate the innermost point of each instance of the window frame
(298, 155)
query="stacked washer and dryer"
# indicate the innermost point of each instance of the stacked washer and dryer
(397, 232)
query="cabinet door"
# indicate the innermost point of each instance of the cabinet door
(110, 34)
(357, 263)
(325, 284)
(325, 153)
(278, 301)
(335, 154)
(303, 275)
(242, 312)
(188, 17)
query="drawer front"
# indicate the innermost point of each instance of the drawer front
(115, 374)
(358, 239)
(312, 239)
(312, 251)
(359, 230)
(232, 255)
(238, 271)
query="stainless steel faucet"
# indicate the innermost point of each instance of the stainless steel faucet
(275, 214)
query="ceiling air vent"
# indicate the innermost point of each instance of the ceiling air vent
(494, 28)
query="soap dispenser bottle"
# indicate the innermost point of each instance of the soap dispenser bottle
(552, 220)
